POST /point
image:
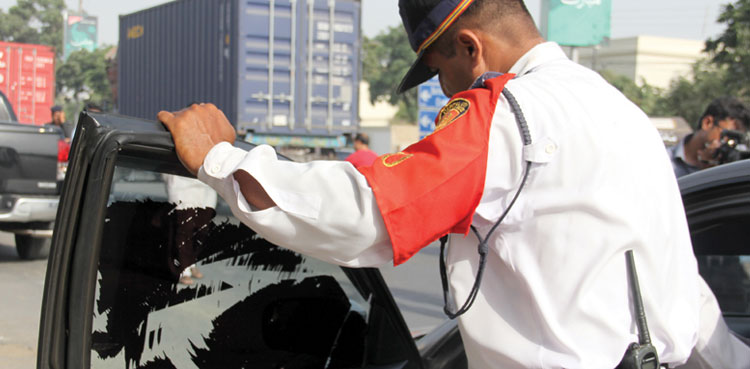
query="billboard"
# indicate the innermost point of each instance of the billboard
(80, 33)
(576, 22)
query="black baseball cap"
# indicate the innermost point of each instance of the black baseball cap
(425, 21)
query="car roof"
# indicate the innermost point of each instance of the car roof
(738, 171)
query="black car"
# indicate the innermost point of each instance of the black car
(112, 297)
(717, 205)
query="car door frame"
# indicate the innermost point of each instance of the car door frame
(65, 331)
(715, 193)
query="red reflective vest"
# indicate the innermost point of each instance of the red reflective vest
(433, 187)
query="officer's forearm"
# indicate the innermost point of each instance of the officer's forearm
(253, 192)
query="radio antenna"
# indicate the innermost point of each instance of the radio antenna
(635, 291)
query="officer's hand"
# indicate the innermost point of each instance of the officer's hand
(195, 131)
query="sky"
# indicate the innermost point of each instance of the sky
(691, 19)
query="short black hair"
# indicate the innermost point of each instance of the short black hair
(485, 14)
(363, 138)
(56, 108)
(726, 107)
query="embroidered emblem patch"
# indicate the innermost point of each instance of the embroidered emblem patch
(391, 160)
(451, 112)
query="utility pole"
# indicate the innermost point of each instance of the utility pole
(80, 7)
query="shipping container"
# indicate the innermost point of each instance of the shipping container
(27, 78)
(280, 67)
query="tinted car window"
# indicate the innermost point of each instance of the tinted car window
(4, 113)
(719, 219)
(725, 263)
(257, 305)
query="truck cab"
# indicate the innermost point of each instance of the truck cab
(33, 160)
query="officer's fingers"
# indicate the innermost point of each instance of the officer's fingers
(227, 130)
(165, 117)
(203, 112)
(217, 114)
(169, 120)
(216, 120)
(221, 117)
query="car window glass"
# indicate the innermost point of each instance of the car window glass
(4, 114)
(254, 305)
(724, 260)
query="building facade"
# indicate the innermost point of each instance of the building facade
(651, 59)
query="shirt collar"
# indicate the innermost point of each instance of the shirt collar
(538, 55)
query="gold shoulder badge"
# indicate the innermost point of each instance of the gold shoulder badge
(391, 160)
(451, 112)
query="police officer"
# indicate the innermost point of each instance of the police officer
(530, 141)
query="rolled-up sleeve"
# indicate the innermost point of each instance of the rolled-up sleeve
(324, 209)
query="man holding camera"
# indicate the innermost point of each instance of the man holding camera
(702, 148)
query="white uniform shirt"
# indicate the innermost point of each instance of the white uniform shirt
(555, 290)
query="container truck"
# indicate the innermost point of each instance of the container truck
(27, 78)
(284, 71)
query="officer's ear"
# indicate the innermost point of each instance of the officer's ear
(469, 45)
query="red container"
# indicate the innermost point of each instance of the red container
(27, 78)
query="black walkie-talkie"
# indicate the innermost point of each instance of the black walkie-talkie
(641, 355)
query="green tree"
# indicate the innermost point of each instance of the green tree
(731, 49)
(647, 97)
(725, 73)
(387, 58)
(83, 77)
(688, 96)
(35, 22)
